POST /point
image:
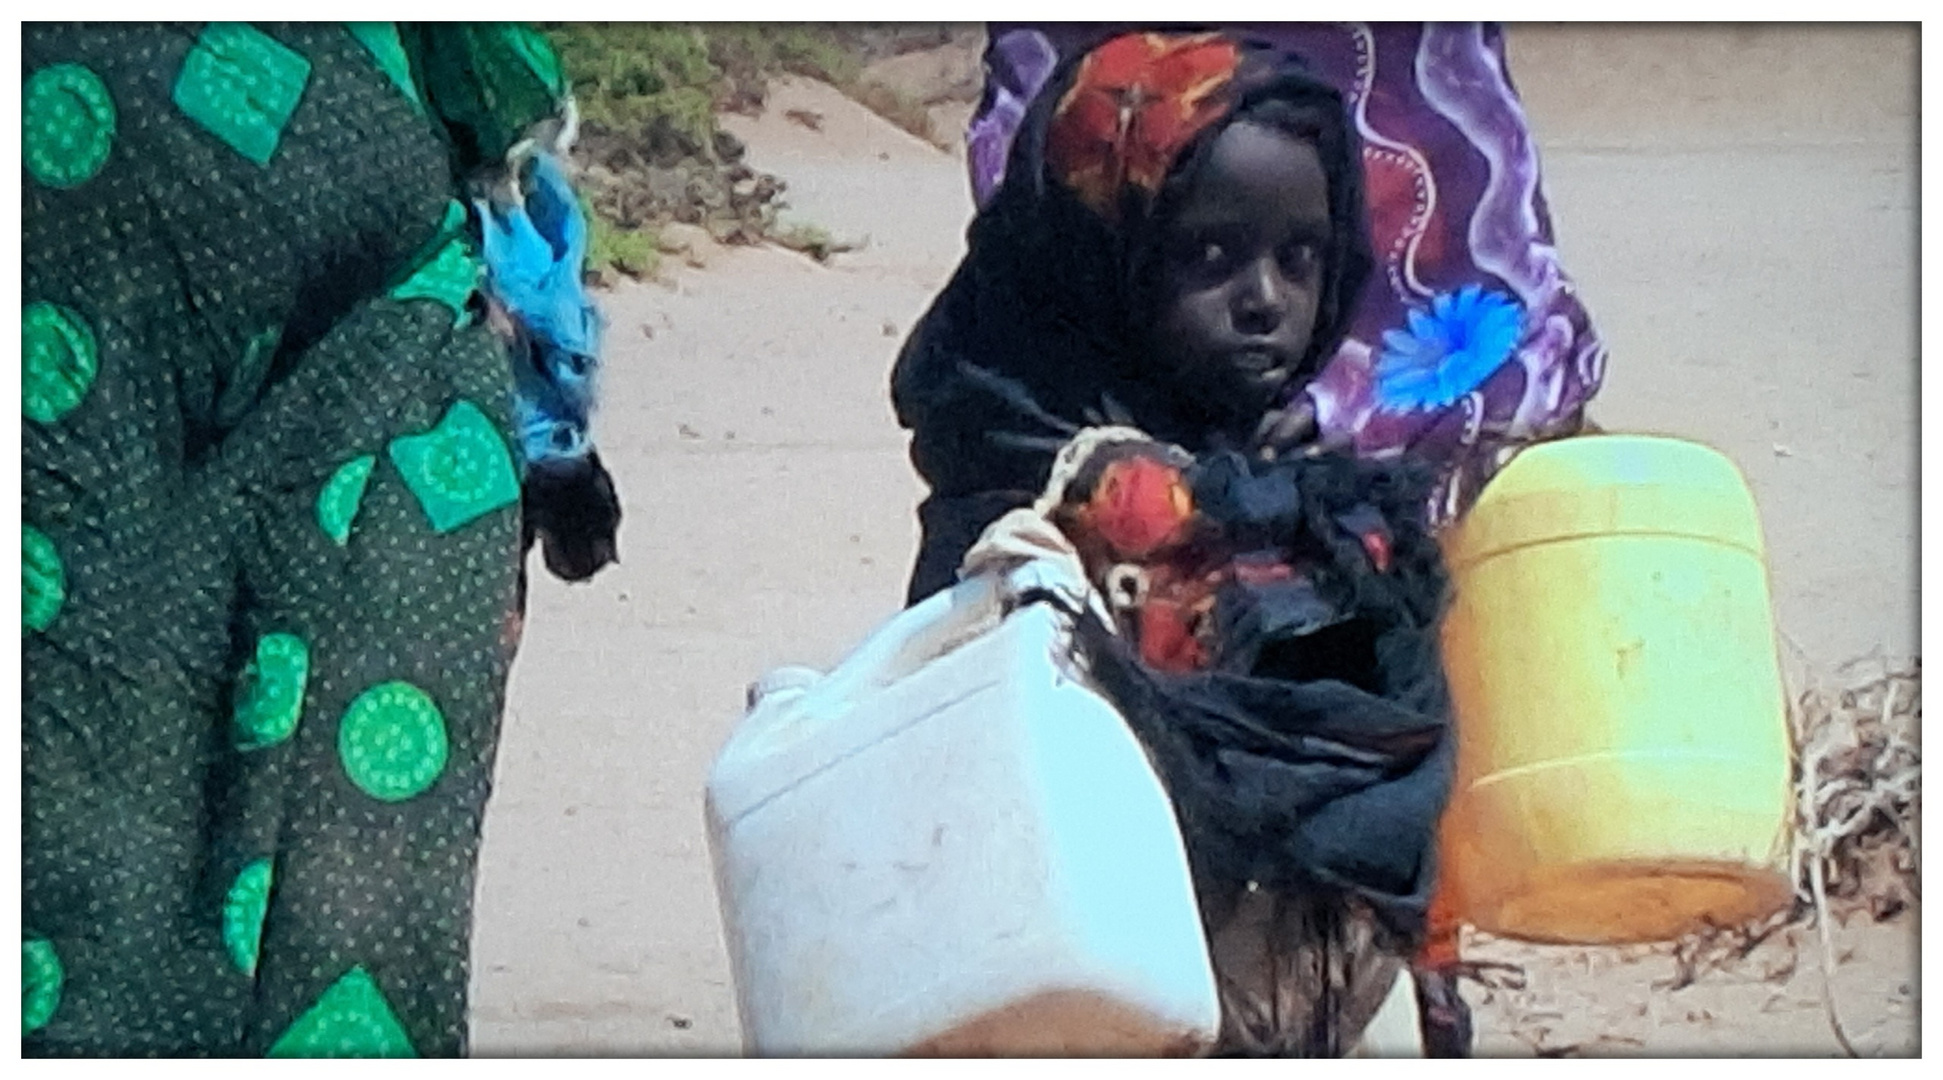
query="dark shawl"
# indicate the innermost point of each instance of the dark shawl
(1315, 753)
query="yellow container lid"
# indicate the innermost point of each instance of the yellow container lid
(1609, 485)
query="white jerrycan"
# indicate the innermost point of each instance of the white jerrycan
(949, 845)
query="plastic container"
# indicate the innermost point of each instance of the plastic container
(957, 854)
(1623, 751)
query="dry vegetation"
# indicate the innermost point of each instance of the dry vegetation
(652, 154)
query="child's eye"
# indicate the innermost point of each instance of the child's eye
(1198, 256)
(1301, 258)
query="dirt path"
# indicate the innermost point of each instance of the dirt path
(769, 521)
(748, 426)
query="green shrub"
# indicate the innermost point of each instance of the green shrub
(628, 76)
(754, 51)
(613, 248)
(631, 76)
(659, 86)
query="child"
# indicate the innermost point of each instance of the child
(1105, 284)
(1177, 246)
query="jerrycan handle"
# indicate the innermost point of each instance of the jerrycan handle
(913, 638)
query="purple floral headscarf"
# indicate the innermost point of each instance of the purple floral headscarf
(1469, 340)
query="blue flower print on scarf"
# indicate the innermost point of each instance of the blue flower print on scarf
(1448, 351)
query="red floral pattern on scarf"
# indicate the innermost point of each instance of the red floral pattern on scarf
(1136, 102)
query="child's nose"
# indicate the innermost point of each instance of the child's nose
(1262, 299)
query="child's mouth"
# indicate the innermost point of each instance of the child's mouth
(1267, 368)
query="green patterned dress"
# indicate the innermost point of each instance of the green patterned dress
(270, 531)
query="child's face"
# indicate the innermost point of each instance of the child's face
(1241, 270)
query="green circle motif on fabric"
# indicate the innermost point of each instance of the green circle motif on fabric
(67, 125)
(43, 581)
(392, 741)
(270, 694)
(244, 906)
(58, 361)
(41, 977)
(338, 503)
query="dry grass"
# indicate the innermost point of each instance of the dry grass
(1858, 799)
(1858, 785)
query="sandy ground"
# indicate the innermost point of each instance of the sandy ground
(1751, 260)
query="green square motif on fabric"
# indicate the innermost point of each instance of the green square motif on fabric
(352, 1019)
(459, 470)
(450, 277)
(243, 85)
(536, 53)
(380, 39)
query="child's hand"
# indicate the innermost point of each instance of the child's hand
(1294, 428)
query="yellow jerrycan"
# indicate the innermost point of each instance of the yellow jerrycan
(1623, 757)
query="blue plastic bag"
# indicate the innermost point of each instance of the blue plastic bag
(535, 252)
